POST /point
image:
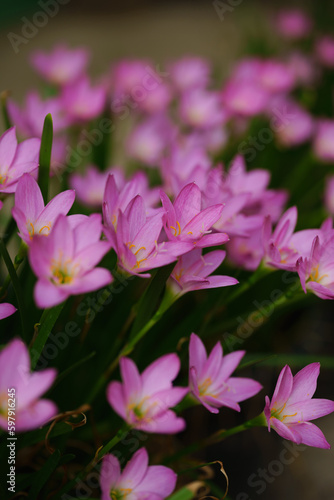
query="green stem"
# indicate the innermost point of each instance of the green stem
(16, 285)
(47, 321)
(259, 421)
(19, 258)
(4, 96)
(45, 157)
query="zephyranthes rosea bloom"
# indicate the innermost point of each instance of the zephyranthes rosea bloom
(144, 401)
(210, 380)
(65, 261)
(30, 411)
(6, 310)
(138, 481)
(291, 408)
(32, 217)
(16, 159)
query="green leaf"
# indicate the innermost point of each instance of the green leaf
(16, 285)
(47, 321)
(182, 494)
(45, 157)
(5, 115)
(44, 474)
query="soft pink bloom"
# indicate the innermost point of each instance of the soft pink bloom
(30, 119)
(202, 109)
(323, 144)
(325, 51)
(149, 140)
(32, 217)
(6, 310)
(247, 252)
(90, 186)
(329, 195)
(316, 271)
(210, 380)
(244, 98)
(62, 65)
(83, 102)
(192, 271)
(303, 68)
(275, 76)
(185, 221)
(135, 238)
(291, 408)
(138, 481)
(297, 130)
(31, 412)
(16, 159)
(144, 401)
(137, 84)
(189, 73)
(65, 261)
(293, 23)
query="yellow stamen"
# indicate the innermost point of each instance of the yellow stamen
(177, 231)
(33, 230)
(45, 234)
(141, 248)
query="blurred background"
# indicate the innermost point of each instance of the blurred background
(163, 31)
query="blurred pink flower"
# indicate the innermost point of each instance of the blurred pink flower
(144, 401)
(329, 195)
(189, 73)
(137, 481)
(297, 130)
(16, 159)
(323, 144)
(210, 380)
(192, 272)
(82, 101)
(31, 412)
(324, 51)
(292, 407)
(32, 217)
(293, 23)
(202, 109)
(62, 65)
(65, 261)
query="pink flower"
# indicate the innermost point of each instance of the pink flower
(144, 401)
(297, 130)
(138, 481)
(244, 98)
(16, 159)
(83, 102)
(32, 217)
(90, 186)
(6, 310)
(62, 65)
(192, 271)
(316, 271)
(210, 380)
(185, 221)
(293, 24)
(323, 144)
(275, 76)
(189, 73)
(65, 261)
(325, 51)
(292, 407)
(202, 109)
(31, 412)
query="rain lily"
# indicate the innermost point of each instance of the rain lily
(83, 102)
(16, 159)
(6, 310)
(291, 408)
(210, 380)
(185, 221)
(323, 145)
(202, 109)
(189, 73)
(144, 401)
(325, 51)
(65, 261)
(192, 271)
(62, 65)
(329, 195)
(137, 481)
(31, 412)
(32, 217)
(293, 23)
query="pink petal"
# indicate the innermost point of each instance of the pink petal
(28, 198)
(308, 410)
(160, 374)
(242, 388)
(212, 365)
(8, 145)
(35, 415)
(135, 214)
(283, 388)
(14, 366)
(115, 397)
(60, 204)
(218, 281)
(229, 364)
(47, 295)
(284, 431)
(212, 240)
(134, 470)
(204, 221)
(109, 473)
(197, 353)
(87, 232)
(305, 383)
(166, 423)
(158, 480)
(6, 310)
(36, 385)
(27, 151)
(310, 435)
(132, 382)
(91, 255)
(188, 203)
